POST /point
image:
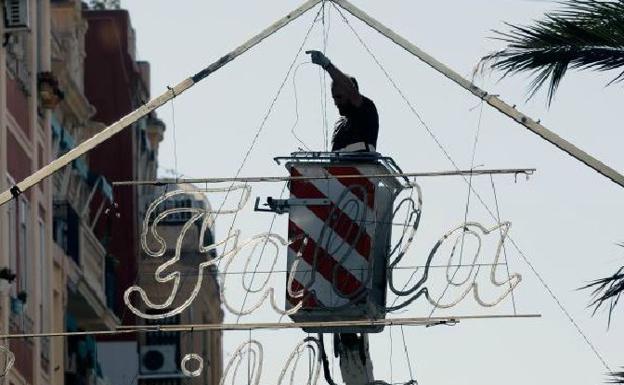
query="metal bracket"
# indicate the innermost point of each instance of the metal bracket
(281, 206)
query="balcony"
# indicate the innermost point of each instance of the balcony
(92, 262)
(85, 267)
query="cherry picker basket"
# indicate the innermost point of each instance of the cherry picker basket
(339, 231)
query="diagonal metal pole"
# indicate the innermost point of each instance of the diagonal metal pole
(492, 100)
(153, 104)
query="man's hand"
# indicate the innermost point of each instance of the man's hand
(318, 58)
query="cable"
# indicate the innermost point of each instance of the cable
(326, 372)
(405, 349)
(407, 356)
(290, 68)
(450, 159)
(513, 297)
(396, 87)
(561, 307)
(467, 207)
(292, 128)
(278, 93)
(271, 106)
(472, 166)
(253, 275)
(323, 74)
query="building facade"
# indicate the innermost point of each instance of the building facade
(26, 222)
(69, 246)
(48, 233)
(117, 83)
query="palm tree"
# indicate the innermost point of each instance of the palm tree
(617, 378)
(607, 290)
(583, 35)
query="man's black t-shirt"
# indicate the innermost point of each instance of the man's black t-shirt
(361, 124)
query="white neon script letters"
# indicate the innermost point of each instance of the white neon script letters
(269, 245)
(251, 352)
(231, 248)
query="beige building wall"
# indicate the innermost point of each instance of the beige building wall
(25, 145)
(35, 122)
(53, 283)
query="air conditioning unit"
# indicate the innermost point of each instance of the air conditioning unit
(16, 15)
(158, 359)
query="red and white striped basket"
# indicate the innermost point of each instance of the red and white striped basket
(339, 242)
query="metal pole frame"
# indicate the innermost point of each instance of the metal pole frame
(492, 100)
(153, 104)
(171, 93)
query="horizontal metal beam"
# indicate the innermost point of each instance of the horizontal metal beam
(419, 321)
(492, 100)
(257, 179)
(413, 321)
(153, 104)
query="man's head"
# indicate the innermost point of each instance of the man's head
(341, 95)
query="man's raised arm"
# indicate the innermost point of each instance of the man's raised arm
(341, 80)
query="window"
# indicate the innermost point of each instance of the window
(176, 203)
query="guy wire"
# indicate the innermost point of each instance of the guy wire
(268, 113)
(513, 297)
(290, 68)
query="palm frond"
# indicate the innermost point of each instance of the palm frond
(616, 378)
(586, 34)
(607, 291)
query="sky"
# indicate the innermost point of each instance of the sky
(566, 218)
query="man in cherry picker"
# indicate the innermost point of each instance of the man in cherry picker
(356, 131)
(358, 125)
